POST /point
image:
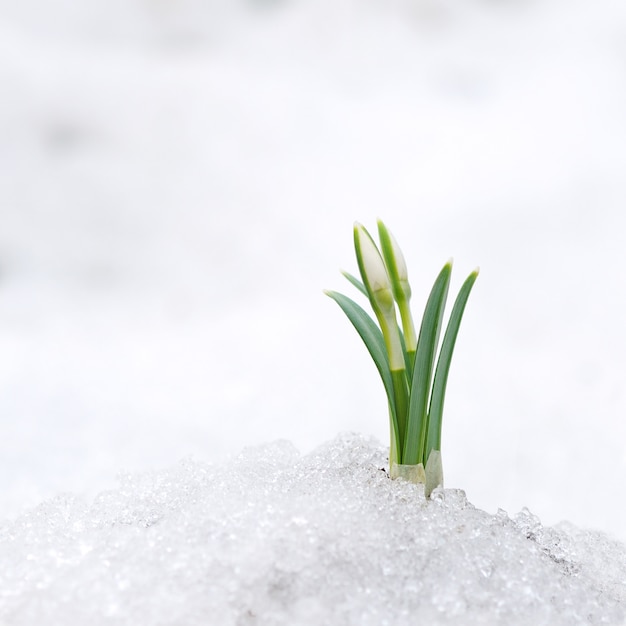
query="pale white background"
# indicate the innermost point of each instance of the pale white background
(178, 182)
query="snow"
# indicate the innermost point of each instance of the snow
(178, 183)
(275, 537)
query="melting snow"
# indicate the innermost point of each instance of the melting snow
(274, 537)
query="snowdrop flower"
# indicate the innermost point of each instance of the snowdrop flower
(398, 273)
(414, 371)
(376, 281)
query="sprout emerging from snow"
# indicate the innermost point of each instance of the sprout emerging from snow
(415, 387)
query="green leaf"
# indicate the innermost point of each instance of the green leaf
(373, 339)
(401, 395)
(435, 414)
(356, 282)
(423, 369)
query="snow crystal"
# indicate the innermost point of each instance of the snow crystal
(273, 537)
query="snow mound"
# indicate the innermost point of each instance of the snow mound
(275, 538)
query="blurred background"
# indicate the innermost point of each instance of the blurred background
(178, 183)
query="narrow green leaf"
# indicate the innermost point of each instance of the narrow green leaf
(356, 282)
(435, 413)
(423, 369)
(373, 339)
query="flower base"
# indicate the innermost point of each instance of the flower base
(431, 477)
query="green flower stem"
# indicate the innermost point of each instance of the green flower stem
(401, 395)
(407, 326)
(391, 335)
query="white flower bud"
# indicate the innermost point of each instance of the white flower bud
(378, 286)
(373, 270)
